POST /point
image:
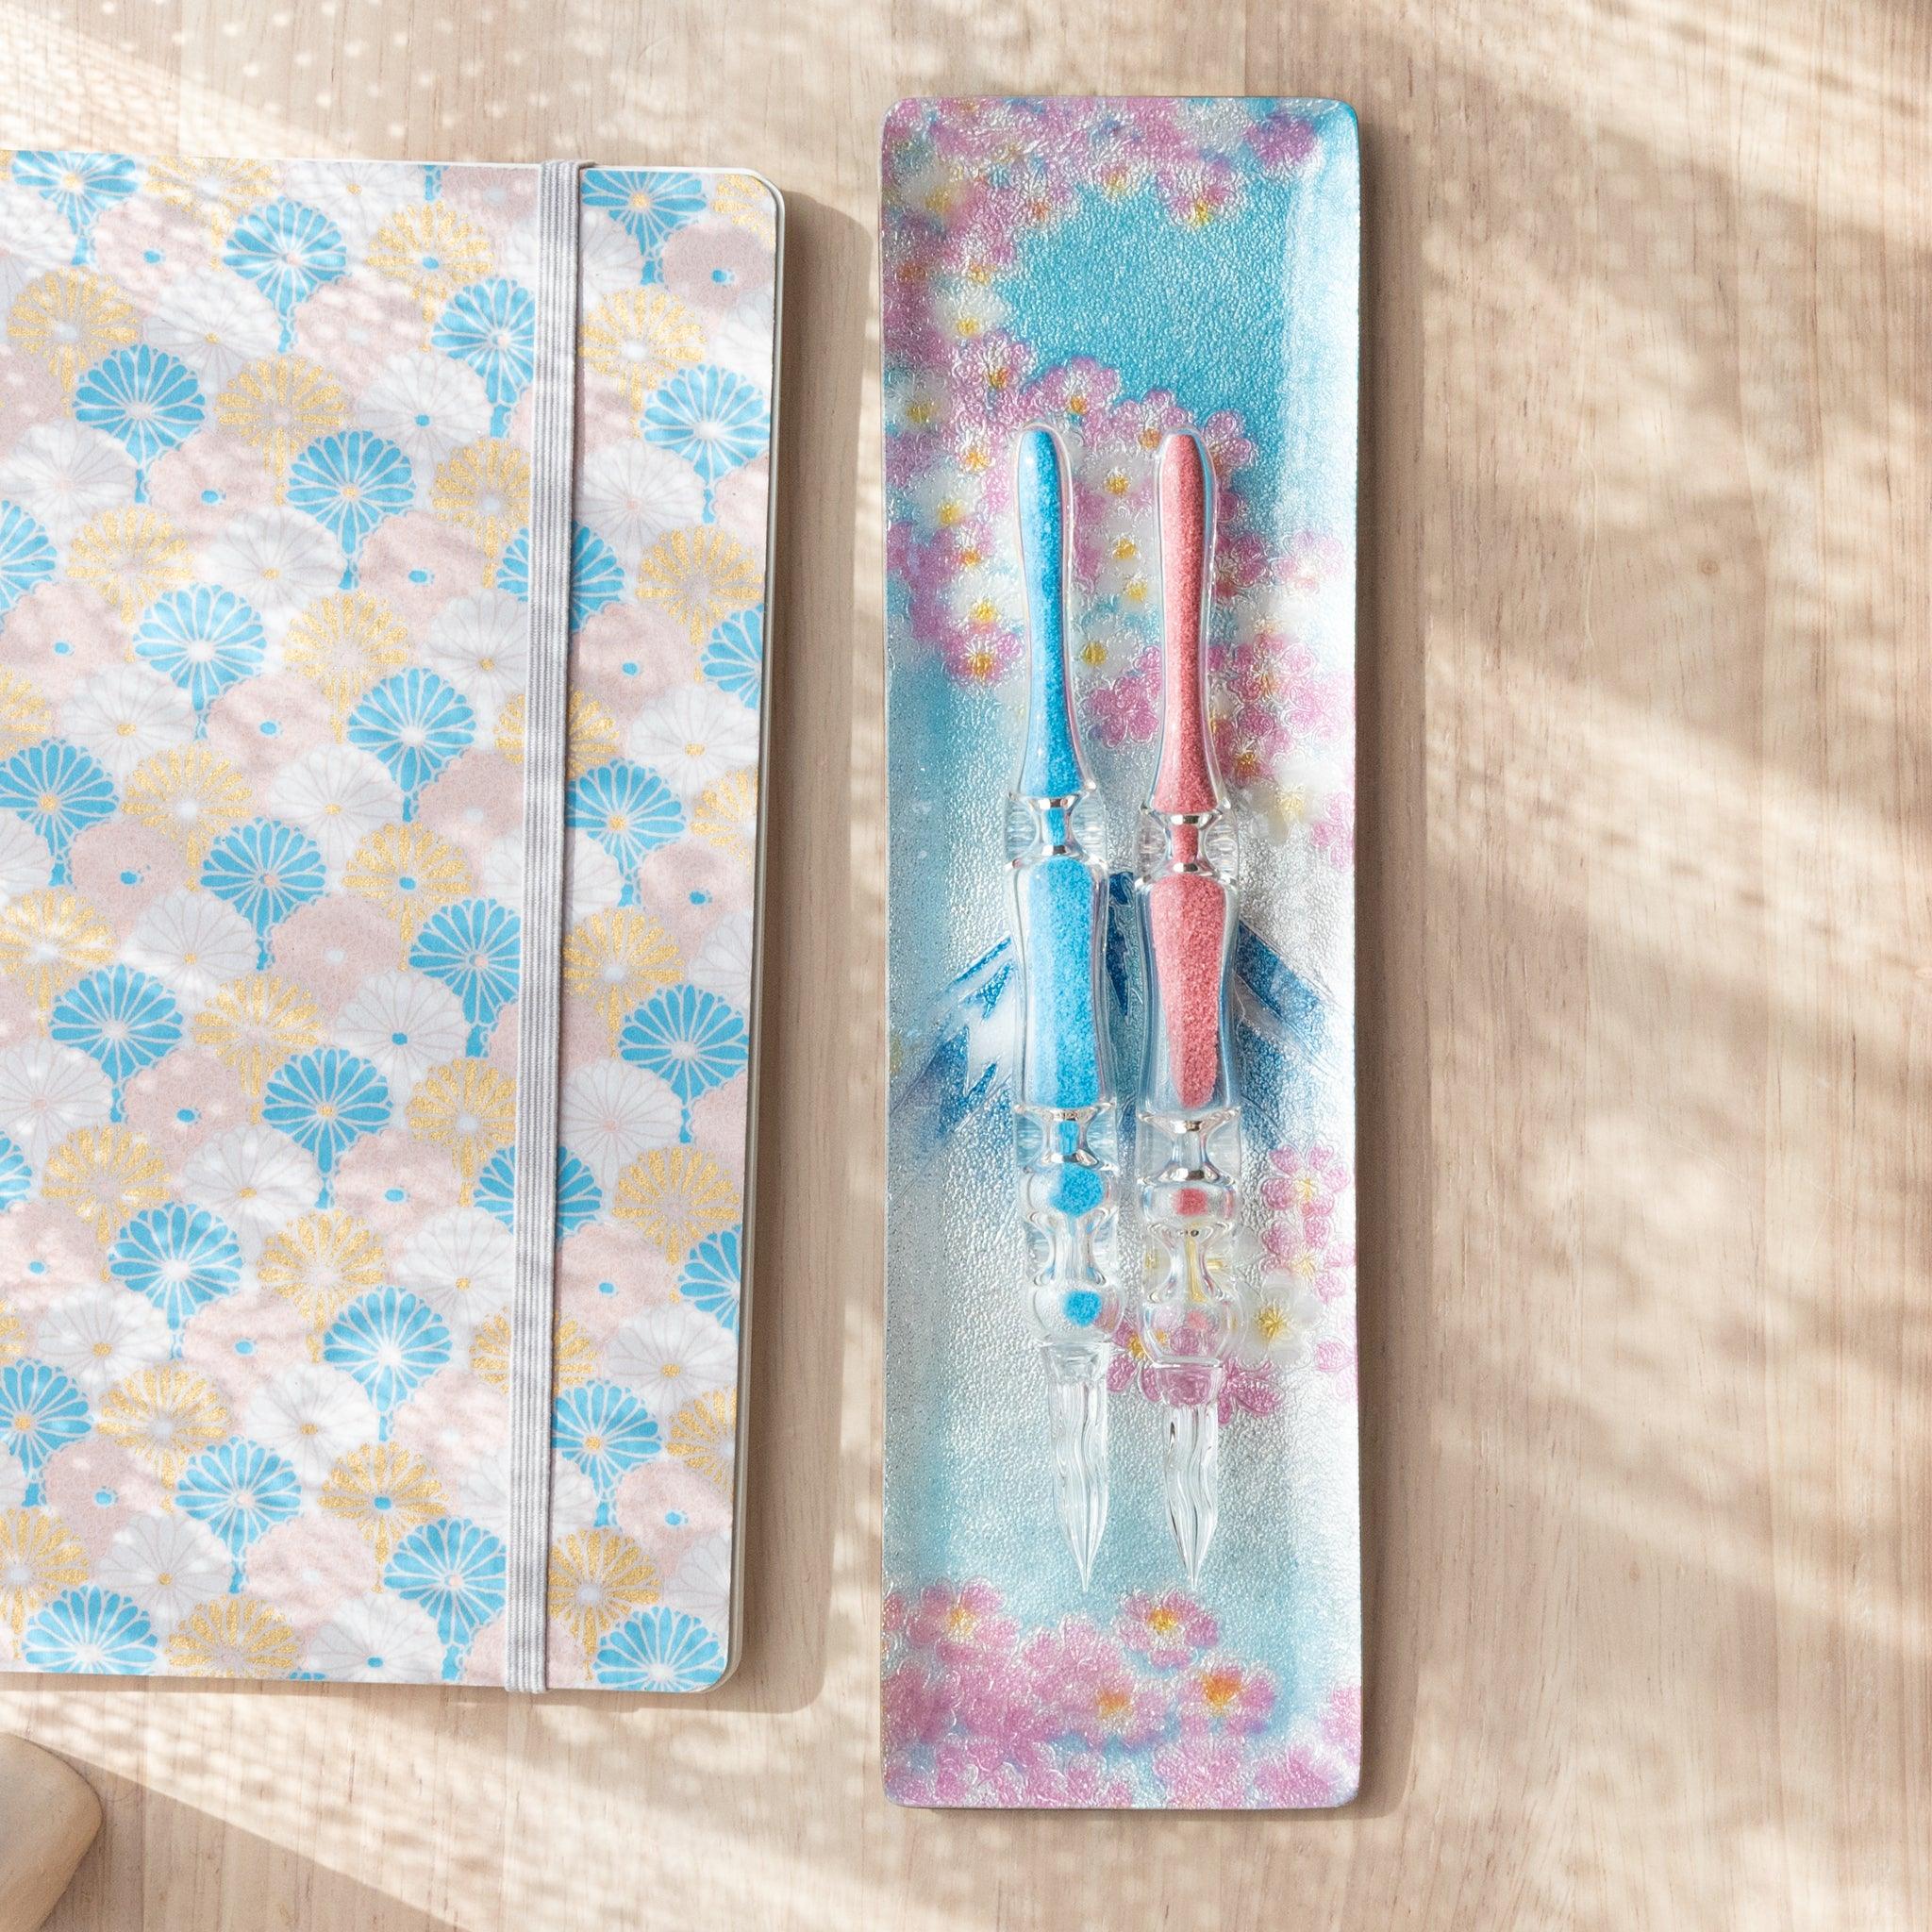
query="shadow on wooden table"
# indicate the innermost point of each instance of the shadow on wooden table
(806, 1282)
(239, 1879)
(1392, 1162)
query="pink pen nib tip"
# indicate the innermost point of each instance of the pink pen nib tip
(1193, 1482)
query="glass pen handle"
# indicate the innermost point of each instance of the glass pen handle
(1188, 1131)
(1064, 1120)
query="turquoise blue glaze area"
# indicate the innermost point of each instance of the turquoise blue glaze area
(1050, 767)
(1218, 319)
(1058, 901)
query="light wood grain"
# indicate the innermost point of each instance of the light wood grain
(1646, 996)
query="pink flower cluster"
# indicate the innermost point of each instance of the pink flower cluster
(1302, 1187)
(965, 188)
(996, 170)
(1275, 697)
(1247, 1388)
(1301, 1190)
(979, 1713)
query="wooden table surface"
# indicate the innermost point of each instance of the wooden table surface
(1646, 995)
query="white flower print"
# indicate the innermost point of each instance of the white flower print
(631, 494)
(193, 944)
(313, 1415)
(402, 1023)
(914, 401)
(278, 560)
(33, 239)
(591, 881)
(338, 794)
(672, 1356)
(723, 964)
(1281, 1327)
(966, 308)
(47, 1093)
(611, 1113)
(701, 1584)
(460, 1262)
(103, 1335)
(167, 1564)
(427, 405)
(358, 196)
(62, 474)
(743, 344)
(377, 1638)
(609, 259)
(215, 323)
(945, 498)
(12, 1480)
(485, 1496)
(481, 645)
(693, 736)
(256, 1179)
(127, 715)
(25, 864)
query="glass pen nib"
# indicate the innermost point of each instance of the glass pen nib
(1079, 1456)
(1193, 1482)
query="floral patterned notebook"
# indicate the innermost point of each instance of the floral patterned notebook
(1118, 273)
(383, 553)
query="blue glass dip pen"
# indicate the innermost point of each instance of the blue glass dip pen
(1066, 1131)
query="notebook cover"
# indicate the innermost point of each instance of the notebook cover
(1116, 270)
(265, 474)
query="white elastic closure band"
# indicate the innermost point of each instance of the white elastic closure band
(540, 999)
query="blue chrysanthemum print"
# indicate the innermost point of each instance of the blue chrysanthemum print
(265, 870)
(713, 419)
(604, 1429)
(649, 205)
(145, 399)
(91, 1631)
(80, 185)
(471, 947)
(59, 790)
(415, 723)
(42, 1409)
(349, 483)
(238, 1488)
(690, 1039)
(491, 327)
(627, 808)
(660, 1649)
(16, 1175)
(207, 640)
(455, 1569)
(121, 1018)
(596, 577)
(178, 1257)
(288, 250)
(326, 1101)
(579, 1199)
(734, 657)
(391, 1342)
(710, 1277)
(27, 557)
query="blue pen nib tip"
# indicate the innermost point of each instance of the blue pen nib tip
(1079, 1454)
